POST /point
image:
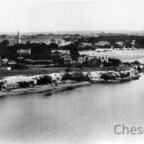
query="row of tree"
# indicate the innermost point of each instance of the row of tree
(126, 39)
(38, 50)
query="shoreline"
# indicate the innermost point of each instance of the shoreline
(54, 82)
(44, 88)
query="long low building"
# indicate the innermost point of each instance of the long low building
(123, 55)
(97, 53)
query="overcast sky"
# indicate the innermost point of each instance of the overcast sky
(97, 15)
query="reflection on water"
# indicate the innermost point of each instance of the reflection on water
(85, 115)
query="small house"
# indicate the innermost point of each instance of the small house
(80, 60)
(66, 59)
(24, 51)
(4, 61)
(12, 64)
(61, 52)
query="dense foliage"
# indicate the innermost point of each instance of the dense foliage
(42, 51)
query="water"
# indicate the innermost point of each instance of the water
(130, 57)
(85, 115)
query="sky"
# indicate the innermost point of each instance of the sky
(92, 15)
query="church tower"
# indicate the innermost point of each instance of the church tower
(18, 38)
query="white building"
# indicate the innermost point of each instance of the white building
(102, 43)
(61, 51)
(24, 51)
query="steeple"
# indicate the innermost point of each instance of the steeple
(18, 38)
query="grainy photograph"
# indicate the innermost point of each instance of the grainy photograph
(71, 72)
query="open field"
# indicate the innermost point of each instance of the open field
(5, 73)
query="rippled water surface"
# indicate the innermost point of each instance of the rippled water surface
(85, 115)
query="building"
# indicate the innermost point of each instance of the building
(18, 38)
(12, 62)
(66, 59)
(121, 44)
(60, 52)
(133, 42)
(103, 58)
(55, 53)
(11, 65)
(37, 62)
(4, 61)
(80, 60)
(102, 43)
(64, 43)
(24, 51)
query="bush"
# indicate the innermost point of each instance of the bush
(139, 69)
(75, 77)
(114, 62)
(136, 62)
(122, 75)
(68, 70)
(108, 76)
(24, 84)
(44, 80)
(127, 74)
(66, 76)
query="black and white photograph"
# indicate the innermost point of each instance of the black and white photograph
(71, 71)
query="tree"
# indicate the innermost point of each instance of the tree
(5, 43)
(3, 36)
(114, 62)
(128, 43)
(91, 39)
(54, 46)
(136, 62)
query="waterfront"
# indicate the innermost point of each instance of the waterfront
(83, 115)
(123, 55)
(72, 72)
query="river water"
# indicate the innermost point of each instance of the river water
(85, 115)
(129, 57)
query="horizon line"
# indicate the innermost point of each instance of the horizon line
(82, 31)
